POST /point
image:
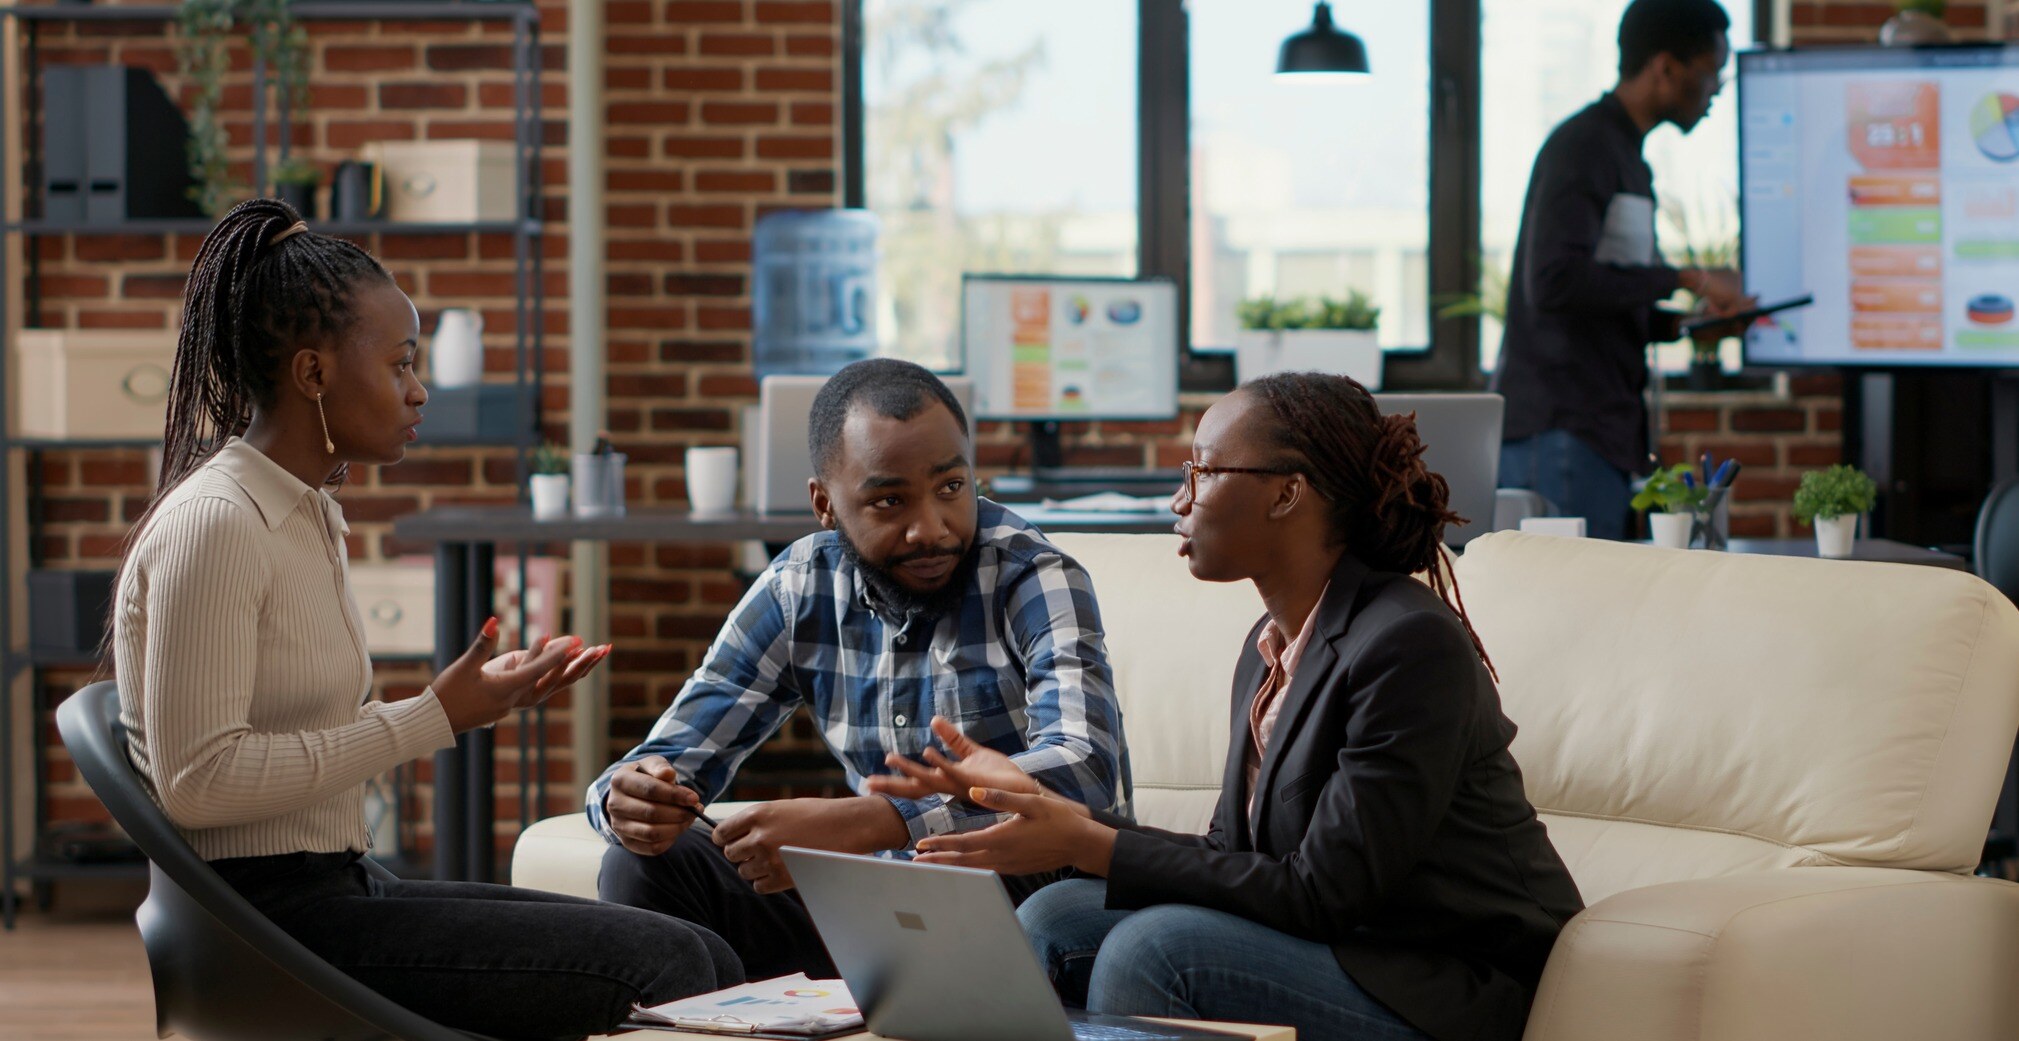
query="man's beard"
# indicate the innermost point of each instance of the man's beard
(894, 595)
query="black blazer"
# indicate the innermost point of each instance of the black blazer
(1394, 826)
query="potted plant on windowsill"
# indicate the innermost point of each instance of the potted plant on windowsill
(1324, 335)
(1832, 500)
(294, 183)
(1670, 498)
(550, 482)
(1706, 238)
(1918, 22)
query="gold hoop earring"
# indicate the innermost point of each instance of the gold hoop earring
(327, 444)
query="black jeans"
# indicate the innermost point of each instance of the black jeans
(773, 934)
(501, 961)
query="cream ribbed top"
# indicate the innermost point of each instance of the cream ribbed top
(243, 674)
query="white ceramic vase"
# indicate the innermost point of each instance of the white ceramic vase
(550, 496)
(456, 354)
(1836, 535)
(1670, 530)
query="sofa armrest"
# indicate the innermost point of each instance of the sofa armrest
(564, 854)
(1844, 953)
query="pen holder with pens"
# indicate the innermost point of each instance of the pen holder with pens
(599, 484)
(1710, 523)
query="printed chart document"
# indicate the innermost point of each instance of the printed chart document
(789, 1006)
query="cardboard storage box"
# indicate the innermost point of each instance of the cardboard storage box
(77, 384)
(397, 604)
(447, 182)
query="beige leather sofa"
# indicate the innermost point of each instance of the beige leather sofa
(1770, 777)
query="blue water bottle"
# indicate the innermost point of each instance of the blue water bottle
(814, 300)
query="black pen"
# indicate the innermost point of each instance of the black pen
(698, 815)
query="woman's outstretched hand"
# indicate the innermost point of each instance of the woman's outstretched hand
(477, 689)
(1044, 834)
(973, 766)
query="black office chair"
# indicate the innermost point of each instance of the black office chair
(1996, 560)
(222, 971)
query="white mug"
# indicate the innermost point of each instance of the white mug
(711, 480)
(457, 351)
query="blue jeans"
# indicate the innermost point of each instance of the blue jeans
(1195, 963)
(1560, 467)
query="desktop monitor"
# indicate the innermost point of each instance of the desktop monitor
(1885, 181)
(1461, 441)
(1047, 349)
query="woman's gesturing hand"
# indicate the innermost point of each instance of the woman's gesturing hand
(1042, 835)
(973, 766)
(477, 690)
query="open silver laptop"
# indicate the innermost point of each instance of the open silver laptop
(1461, 440)
(934, 953)
(783, 465)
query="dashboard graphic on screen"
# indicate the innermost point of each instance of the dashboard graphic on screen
(1071, 348)
(1886, 183)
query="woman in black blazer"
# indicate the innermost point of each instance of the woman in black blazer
(1374, 869)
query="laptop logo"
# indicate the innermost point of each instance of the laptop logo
(907, 920)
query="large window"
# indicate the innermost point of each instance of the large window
(1546, 59)
(1127, 137)
(998, 136)
(1309, 189)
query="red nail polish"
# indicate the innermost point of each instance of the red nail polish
(491, 629)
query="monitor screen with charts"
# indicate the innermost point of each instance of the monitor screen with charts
(1885, 181)
(1071, 348)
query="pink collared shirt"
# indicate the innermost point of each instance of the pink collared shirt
(1281, 662)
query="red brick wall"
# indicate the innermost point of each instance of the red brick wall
(1858, 21)
(717, 109)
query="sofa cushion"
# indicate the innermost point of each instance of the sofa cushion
(1173, 642)
(1686, 714)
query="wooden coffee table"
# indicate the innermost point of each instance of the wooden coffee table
(1259, 1033)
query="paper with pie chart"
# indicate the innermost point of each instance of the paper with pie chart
(1892, 194)
(791, 1004)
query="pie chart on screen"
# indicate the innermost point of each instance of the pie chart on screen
(1994, 122)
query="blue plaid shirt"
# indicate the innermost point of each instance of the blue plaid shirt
(1019, 666)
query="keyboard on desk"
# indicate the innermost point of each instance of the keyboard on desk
(1102, 475)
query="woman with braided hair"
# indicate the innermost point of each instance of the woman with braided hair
(243, 673)
(1374, 870)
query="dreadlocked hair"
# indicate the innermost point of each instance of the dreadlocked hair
(1385, 504)
(249, 302)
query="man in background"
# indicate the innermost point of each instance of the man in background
(1587, 275)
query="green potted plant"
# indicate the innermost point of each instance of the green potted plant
(1832, 500)
(205, 33)
(1716, 248)
(1329, 334)
(550, 482)
(1670, 498)
(1918, 21)
(294, 182)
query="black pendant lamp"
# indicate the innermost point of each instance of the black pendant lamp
(1323, 48)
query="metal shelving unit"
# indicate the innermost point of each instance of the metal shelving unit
(19, 665)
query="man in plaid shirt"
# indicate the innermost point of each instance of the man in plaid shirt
(920, 600)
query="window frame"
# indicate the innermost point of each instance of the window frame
(1163, 197)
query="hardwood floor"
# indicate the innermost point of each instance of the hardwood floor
(77, 972)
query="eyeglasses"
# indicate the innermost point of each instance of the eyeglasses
(1193, 470)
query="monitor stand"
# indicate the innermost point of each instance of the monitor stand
(1045, 451)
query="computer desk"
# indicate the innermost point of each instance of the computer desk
(466, 539)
